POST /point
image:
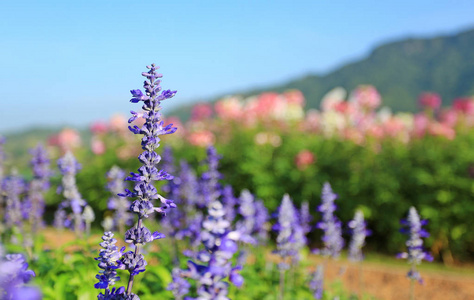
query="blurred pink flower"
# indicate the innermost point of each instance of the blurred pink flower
(67, 139)
(201, 138)
(429, 100)
(332, 98)
(97, 146)
(367, 97)
(353, 134)
(229, 109)
(312, 120)
(303, 159)
(98, 127)
(267, 104)
(420, 125)
(464, 105)
(439, 129)
(118, 123)
(376, 131)
(294, 97)
(201, 111)
(342, 107)
(393, 127)
(449, 117)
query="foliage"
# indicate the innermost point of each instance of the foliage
(67, 273)
(431, 174)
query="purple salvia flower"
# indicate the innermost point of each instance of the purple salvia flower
(229, 201)
(261, 218)
(14, 275)
(172, 223)
(416, 253)
(247, 210)
(210, 189)
(144, 192)
(179, 286)
(330, 224)
(188, 187)
(219, 240)
(359, 232)
(109, 262)
(316, 283)
(305, 218)
(13, 187)
(69, 167)
(60, 217)
(38, 186)
(290, 238)
(192, 220)
(121, 205)
(220, 246)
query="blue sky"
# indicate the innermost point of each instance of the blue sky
(71, 62)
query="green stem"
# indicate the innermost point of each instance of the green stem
(137, 251)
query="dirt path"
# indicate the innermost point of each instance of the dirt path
(390, 282)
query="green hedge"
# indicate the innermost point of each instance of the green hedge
(383, 179)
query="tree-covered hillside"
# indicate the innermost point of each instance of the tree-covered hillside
(400, 70)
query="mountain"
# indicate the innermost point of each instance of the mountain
(400, 70)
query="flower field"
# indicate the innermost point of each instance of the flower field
(251, 198)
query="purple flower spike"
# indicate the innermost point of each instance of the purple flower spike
(305, 218)
(38, 186)
(415, 253)
(316, 283)
(14, 275)
(179, 286)
(144, 195)
(330, 224)
(359, 232)
(69, 166)
(108, 261)
(120, 204)
(290, 239)
(13, 187)
(173, 222)
(209, 183)
(219, 240)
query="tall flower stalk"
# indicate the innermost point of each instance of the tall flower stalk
(220, 246)
(317, 282)
(144, 193)
(14, 188)
(218, 238)
(38, 186)
(190, 227)
(290, 238)
(359, 233)
(115, 185)
(172, 223)
(330, 224)
(413, 226)
(69, 167)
